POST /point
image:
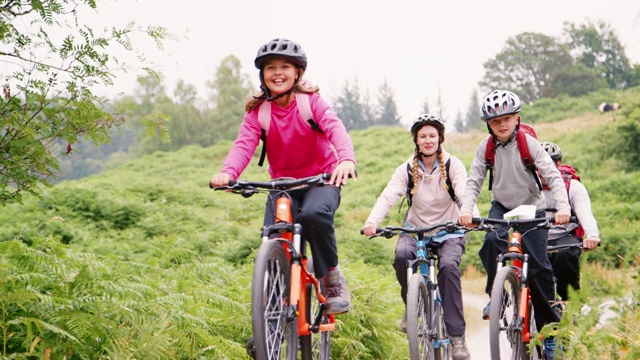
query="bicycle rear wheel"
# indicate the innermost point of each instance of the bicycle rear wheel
(315, 346)
(505, 329)
(275, 335)
(418, 319)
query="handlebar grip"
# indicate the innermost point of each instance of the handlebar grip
(476, 220)
(231, 183)
(361, 232)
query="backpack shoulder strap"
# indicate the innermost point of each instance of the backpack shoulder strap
(490, 157)
(525, 156)
(304, 108)
(409, 184)
(264, 118)
(452, 193)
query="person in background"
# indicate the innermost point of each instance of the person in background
(514, 185)
(295, 150)
(430, 204)
(566, 263)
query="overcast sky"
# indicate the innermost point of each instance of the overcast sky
(422, 48)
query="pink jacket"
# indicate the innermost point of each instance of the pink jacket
(293, 148)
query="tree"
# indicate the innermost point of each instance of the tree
(388, 114)
(596, 45)
(460, 124)
(473, 116)
(229, 91)
(425, 106)
(349, 107)
(48, 103)
(441, 108)
(527, 66)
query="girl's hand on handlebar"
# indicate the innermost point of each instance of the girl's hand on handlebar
(342, 172)
(220, 180)
(590, 243)
(466, 219)
(562, 217)
(369, 229)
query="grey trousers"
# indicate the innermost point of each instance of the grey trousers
(449, 255)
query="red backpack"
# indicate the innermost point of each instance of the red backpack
(527, 160)
(568, 173)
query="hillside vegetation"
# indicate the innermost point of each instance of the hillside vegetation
(146, 262)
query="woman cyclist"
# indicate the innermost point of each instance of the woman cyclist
(431, 203)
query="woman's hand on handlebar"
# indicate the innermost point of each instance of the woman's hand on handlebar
(369, 229)
(562, 217)
(466, 219)
(342, 172)
(221, 179)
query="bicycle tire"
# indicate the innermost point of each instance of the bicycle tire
(444, 351)
(315, 346)
(275, 336)
(536, 350)
(418, 319)
(504, 337)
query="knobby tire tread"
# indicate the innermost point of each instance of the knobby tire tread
(271, 263)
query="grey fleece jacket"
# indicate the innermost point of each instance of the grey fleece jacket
(513, 184)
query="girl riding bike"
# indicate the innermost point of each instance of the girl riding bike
(296, 150)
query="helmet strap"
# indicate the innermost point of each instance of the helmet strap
(270, 98)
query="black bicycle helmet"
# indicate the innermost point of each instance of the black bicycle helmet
(281, 47)
(498, 103)
(427, 119)
(553, 150)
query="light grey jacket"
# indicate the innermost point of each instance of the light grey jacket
(513, 183)
(581, 205)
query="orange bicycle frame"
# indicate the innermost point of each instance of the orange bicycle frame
(299, 282)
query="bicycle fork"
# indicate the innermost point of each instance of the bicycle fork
(520, 265)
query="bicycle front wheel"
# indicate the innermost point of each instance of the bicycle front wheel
(505, 329)
(419, 317)
(275, 332)
(442, 343)
(315, 346)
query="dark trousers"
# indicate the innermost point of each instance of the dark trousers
(534, 244)
(449, 255)
(566, 265)
(313, 208)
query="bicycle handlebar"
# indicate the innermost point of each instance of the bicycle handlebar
(538, 222)
(275, 184)
(391, 231)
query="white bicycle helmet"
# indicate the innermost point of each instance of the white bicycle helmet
(427, 119)
(281, 47)
(553, 150)
(498, 103)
